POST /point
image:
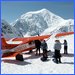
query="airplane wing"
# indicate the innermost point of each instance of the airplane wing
(63, 34)
(32, 38)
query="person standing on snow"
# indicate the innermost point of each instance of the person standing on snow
(57, 47)
(44, 47)
(65, 47)
(37, 45)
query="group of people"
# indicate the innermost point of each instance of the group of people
(57, 48)
(43, 46)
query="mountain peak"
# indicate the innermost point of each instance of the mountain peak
(42, 11)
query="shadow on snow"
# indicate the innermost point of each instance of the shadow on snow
(16, 62)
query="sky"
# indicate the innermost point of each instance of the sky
(10, 11)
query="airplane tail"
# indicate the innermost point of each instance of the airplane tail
(3, 41)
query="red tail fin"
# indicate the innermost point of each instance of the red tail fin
(3, 41)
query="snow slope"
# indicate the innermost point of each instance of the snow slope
(33, 65)
(9, 31)
(64, 26)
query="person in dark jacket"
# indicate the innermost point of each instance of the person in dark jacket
(37, 45)
(57, 47)
(65, 47)
(44, 47)
(30, 43)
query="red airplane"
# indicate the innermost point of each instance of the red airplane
(15, 46)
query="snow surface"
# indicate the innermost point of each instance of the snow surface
(33, 65)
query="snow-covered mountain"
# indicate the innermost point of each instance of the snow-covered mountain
(42, 21)
(64, 26)
(9, 31)
(39, 22)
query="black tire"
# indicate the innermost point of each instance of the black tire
(19, 57)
